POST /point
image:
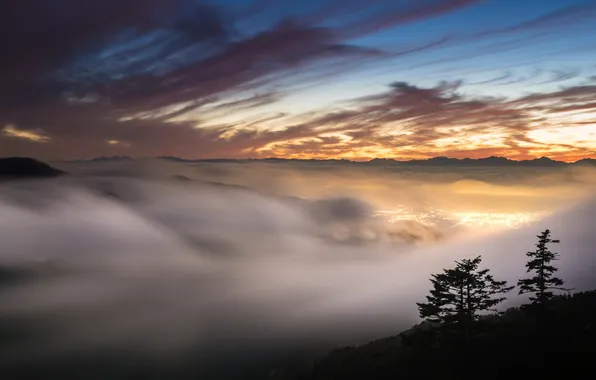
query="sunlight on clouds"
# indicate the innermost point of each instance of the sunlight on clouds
(447, 142)
(559, 136)
(161, 113)
(340, 136)
(472, 187)
(491, 219)
(12, 131)
(117, 143)
(547, 129)
(580, 136)
(494, 140)
(229, 134)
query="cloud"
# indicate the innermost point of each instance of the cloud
(568, 15)
(34, 136)
(110, 62)
(119, 143)
(414, 11)
(189, 51)
(500, 78)
(562, 76)
(162, 267)
(163, 78)
(443, 120)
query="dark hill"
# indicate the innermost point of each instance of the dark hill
(21, 167)
(586, 161)
(108, 159)
(513, 345)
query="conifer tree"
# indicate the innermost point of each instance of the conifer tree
(459, 295)
(543, 281)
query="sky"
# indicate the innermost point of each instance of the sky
(352, 79)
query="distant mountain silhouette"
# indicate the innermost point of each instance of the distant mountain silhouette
(440, 161)
(181, 177)
(173, 159)
(107, 159)
(331, 160)
(586, 161)
(488, 161)
(21, 167)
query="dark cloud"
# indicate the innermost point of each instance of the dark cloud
(402, 14)
(157, 52)
(40, 37)
(85, 130)
(568, 94)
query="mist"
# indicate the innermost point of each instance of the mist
(158, 259)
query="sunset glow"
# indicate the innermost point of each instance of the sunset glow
(313, 79)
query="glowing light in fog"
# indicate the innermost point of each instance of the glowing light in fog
(436, 216)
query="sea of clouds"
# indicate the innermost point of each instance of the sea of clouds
(158, 264)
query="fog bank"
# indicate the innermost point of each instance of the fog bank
(158, 265)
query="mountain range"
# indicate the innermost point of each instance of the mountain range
(435, 161)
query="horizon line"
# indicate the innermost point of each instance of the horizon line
(387, 159)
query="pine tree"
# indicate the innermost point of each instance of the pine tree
(461, 294)
(543, 281)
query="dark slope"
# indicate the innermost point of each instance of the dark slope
(586, 162)
(510, 346)
(22, 167)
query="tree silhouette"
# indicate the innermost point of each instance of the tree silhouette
(460, 294)
(543, 280)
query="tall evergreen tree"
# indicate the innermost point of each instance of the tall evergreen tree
(459, 295)
(543, 281)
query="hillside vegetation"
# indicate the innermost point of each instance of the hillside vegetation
(510, 345)
(464, 336)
